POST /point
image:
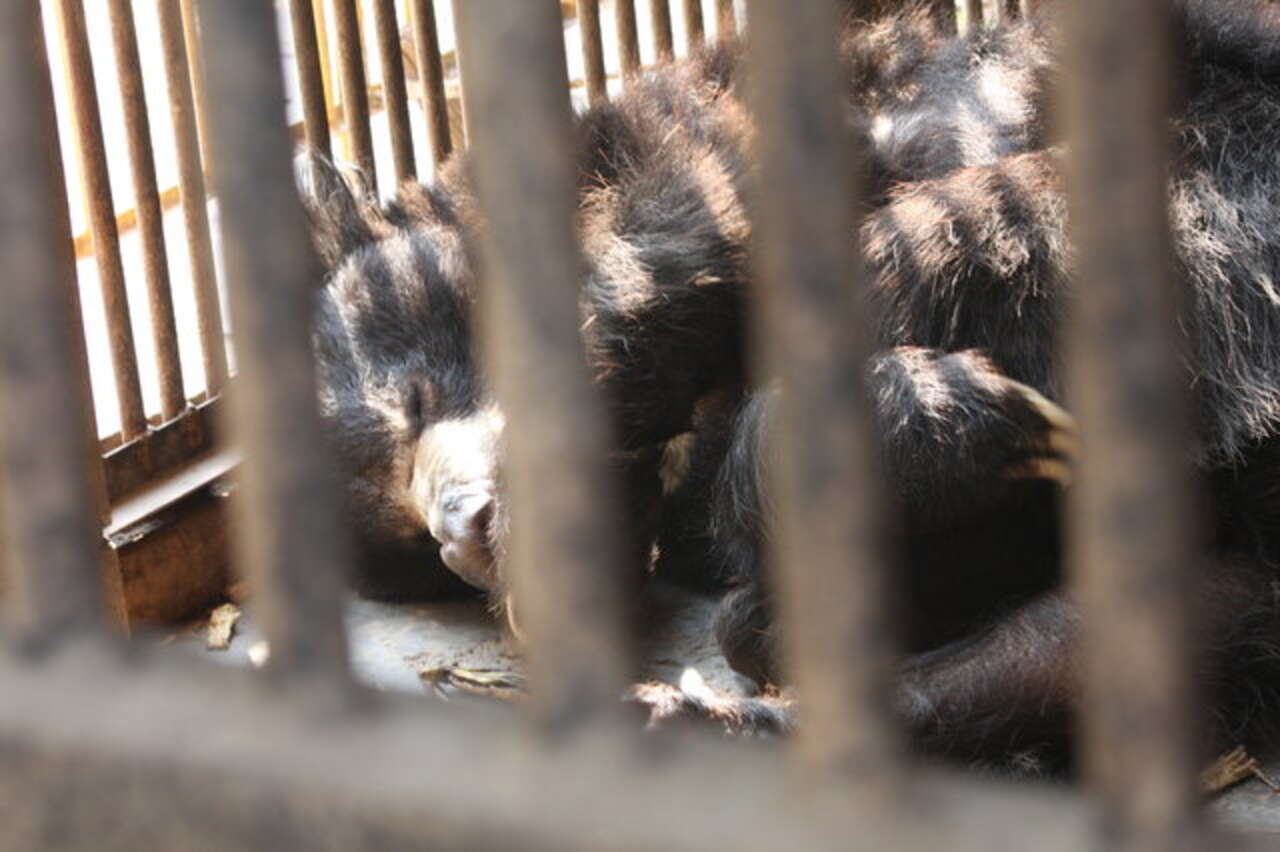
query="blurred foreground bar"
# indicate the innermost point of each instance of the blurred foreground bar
(1134, 541)
(292, 545)
(48, 457)
(564, 555)
(828, 560)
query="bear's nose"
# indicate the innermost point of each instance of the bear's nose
(467, 516)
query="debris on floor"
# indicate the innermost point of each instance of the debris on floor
(221, 627)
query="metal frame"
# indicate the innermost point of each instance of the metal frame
(100, 749)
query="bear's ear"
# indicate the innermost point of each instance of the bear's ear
(343, 213)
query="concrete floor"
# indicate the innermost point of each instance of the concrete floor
(392, 644)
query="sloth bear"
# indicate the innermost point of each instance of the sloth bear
(965, 240)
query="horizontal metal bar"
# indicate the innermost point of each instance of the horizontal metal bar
(175, 755)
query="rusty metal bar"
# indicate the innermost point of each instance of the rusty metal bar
(726, 19)
(155, 259)
(393, 88)
(191, 34)
(102, 217)
(195, 205)
(628, 39)
(291, 544)
(974, 16)
(693, 28)
(355, 93)
(47, 449)
(306, 50)
(660, 21)
(592, 51)
(435, 104)
(1134, 542)
(564, 555)
(830, 506)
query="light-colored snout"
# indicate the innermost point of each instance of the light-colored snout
(455, 487)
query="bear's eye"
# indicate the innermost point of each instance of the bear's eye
(417, 405)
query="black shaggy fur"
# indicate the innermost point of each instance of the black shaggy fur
(965, 237)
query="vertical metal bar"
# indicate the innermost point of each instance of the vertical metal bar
(592, 51)
(974, 17)
(155, 259)
(325, 48)
(292, 544)
(829, 556)
(195, 205)
(102, 217)
(628, 39)
(726, 20)
(1133, 543)
(693, 28)
(660, 21)
(431, 70)
(565, 555)
(46, 432)
(393, 88)
(191, 35)
(355, 94)
(1029, 8)
(306, 50)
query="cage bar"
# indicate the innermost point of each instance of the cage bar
(1133, 543)
(155, 259)
(726, 19)
(693, 28)
(829, 558)
(592, 50)
(973, 16)
(195, 205)
(564, 553)
(306, 50)
(393, 88)
(191, 34)
(293, 548)
(431, 75)
(660, 22)
(48, 452)
(628, 38)
(102, 217)
(355, 95)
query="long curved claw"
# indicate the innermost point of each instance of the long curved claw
(1061, 443)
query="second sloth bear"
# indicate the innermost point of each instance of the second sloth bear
(965, 240)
